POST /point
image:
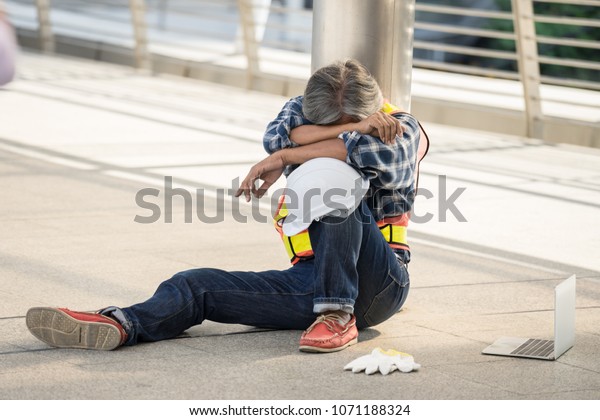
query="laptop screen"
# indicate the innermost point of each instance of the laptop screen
(564, 316)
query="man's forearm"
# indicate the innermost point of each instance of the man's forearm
(308, 134)
(332, 148)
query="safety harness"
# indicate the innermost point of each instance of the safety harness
(393, 229)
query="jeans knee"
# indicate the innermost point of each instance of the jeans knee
(383, 306)
(339, 222)
(194, 282)
(180, 282)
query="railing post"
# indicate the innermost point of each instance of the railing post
(138, 22)
(378, 33)
(402, 59)
(162, 14)
(250, 41)
(45, 34)
(529, 67)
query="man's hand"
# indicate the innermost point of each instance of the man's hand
(381, 125)
(268, 170)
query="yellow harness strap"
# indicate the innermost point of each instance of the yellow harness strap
(299, 248)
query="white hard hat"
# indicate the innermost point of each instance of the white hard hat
(321, 187)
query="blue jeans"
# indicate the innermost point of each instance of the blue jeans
(354, 269)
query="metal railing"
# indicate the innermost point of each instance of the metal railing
(486, 24)
(508, 39)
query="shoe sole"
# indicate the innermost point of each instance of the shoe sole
(315, 349)
(58, 329)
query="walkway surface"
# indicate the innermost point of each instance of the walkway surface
(509, 218)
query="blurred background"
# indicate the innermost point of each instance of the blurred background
(265, 45)
(464, 36)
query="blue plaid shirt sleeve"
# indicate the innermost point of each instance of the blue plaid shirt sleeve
(390, 169)
(277, 134)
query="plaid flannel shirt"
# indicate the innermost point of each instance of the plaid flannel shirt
(390, 169)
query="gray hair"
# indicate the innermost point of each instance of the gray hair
(344, 88)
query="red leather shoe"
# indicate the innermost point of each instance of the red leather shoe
(61, 327)
(326, 334)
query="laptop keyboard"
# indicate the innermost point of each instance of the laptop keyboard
(533, 347)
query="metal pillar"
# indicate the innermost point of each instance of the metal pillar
(249, 32)
(138, 21)
(529, 68)
(45, 34)
(378, 33)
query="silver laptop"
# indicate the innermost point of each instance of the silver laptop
(564, 330)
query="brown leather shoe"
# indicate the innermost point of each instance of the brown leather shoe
(327, 335)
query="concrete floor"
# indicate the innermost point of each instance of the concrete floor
(78, 140)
